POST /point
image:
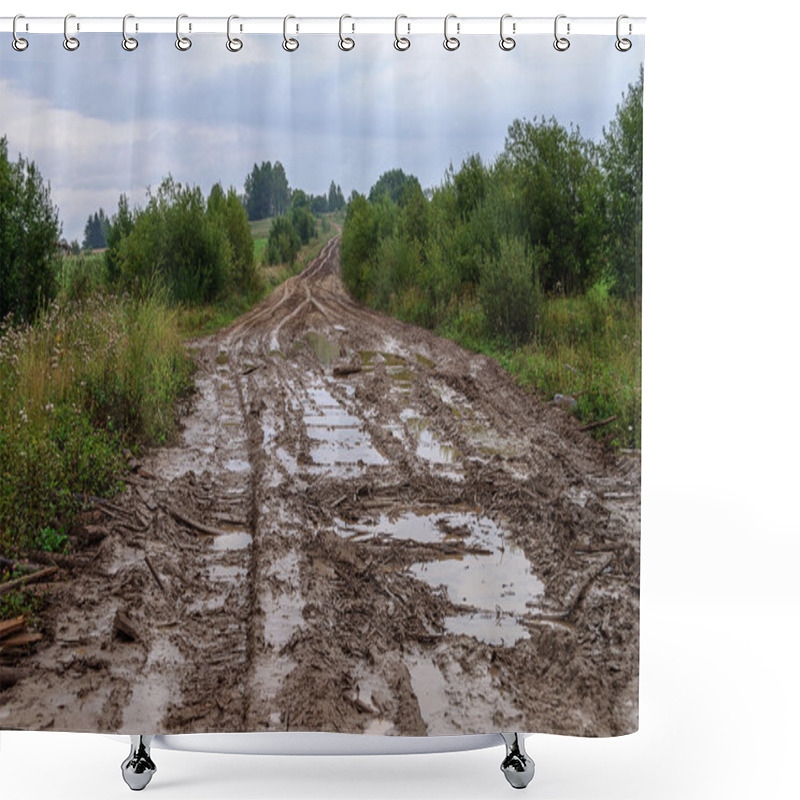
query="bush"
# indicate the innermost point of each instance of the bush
(304, 224)
(176, 244)
(227, 211)
(81, 381)
(29, 233)
(283, 242)
(509, 290)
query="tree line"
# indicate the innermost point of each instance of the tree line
(554, 214)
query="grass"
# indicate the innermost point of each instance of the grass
(86, 380)
(588, 347)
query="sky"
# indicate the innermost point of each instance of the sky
(100, 121)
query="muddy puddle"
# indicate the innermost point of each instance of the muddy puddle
(337, 437)
(429, 446)
(479, 569)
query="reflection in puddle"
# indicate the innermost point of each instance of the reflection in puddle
(336, 436)
(497, 584)
(236, 540)
(282, 602)
(429, 447)
(237, 465)
(429, 686)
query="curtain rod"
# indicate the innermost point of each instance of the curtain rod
(460, 26)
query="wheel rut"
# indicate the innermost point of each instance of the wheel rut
(363, 528)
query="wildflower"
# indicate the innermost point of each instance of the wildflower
(22, 415)
(49, 408)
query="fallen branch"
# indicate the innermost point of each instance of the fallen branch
(181, 516)
(154, 574)
(343, 370)
(599, 424)
(10, 626)
(9, 586)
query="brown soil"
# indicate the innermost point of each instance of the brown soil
(363, 528)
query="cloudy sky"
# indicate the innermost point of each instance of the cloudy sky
(100, 121)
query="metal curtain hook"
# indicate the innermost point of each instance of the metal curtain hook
(289, 45)
(451, 42)
(183, 43)
(401, 42)
(19, 44)
(345, 43)
(128, 42)
(561, 43)
(234, 45)
(623, 45)
(506, 42)
(70, 42)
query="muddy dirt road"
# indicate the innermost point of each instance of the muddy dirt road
(361, 528)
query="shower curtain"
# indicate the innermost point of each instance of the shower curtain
(320, 382)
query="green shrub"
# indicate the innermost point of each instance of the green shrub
(76, 385)
(509, 290)
(283, 242)
(176, 244)
(29, 232)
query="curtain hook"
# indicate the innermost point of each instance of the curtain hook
(506, 42)
(183, 43)
(561, 43)
(19, 44)
(401, 42)
(289, 45)
(128, 42)
(70, 42)
(623, 45)
(234, 45)
(451, 42)
(345, 43)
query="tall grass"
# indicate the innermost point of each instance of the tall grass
(85, 379)
(588, 347)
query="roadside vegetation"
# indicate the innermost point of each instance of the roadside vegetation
(93, 365)
(534, 259)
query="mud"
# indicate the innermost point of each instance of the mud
(417, 546)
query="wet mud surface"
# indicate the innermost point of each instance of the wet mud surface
(361, 528)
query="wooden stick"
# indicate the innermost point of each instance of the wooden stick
(9, 586)
(9, 626)
(599, 424)
(193, 523)
(154, 574)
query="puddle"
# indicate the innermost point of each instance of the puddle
(237, 540)
(325, 350)
(498, 585)
(426, 362)
(429, 447)
(337, 437)
(237, 465)
(429, 686)
(283, 610)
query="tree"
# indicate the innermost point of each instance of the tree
(119, 227)
(95, 231)
(227, 211)
(392, 183)
(283, 242)
(176, 243)
(29, 234)
(266, 190)
(622, 166)
(560, 186)
(335, 197)
(359, 244)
